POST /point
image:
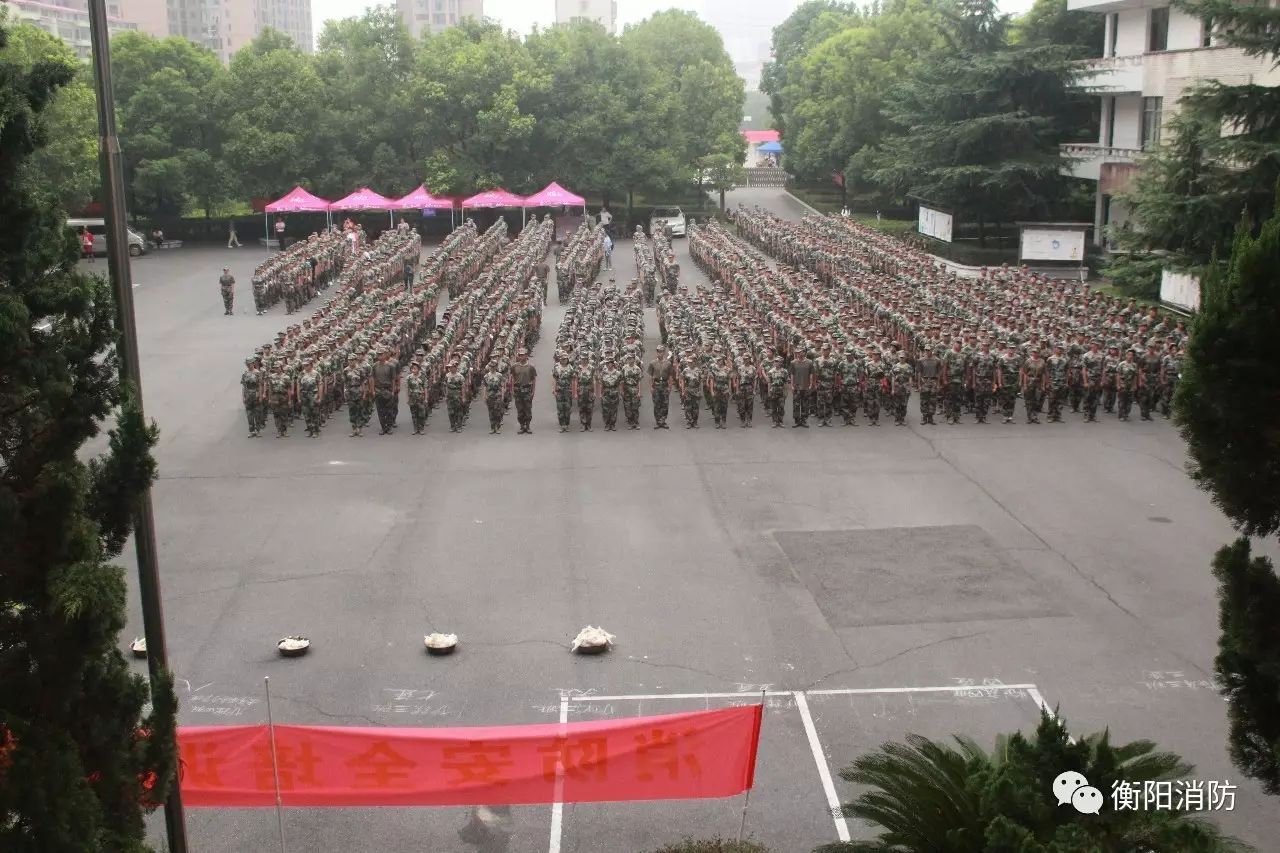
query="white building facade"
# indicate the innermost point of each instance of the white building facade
(1152, 54)
(603, 11)
(225, 26)
(67, 19)
(436, 16)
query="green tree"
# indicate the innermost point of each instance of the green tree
(721, 174)
(273, 99)
(837, 89)
(1049, 22)
(79, 760)
(977, 125)
(67, 166)
(170, 124)
(1227, 406)
(369, 132)
(473, 85)
(809, 25)
(707, 90)
(926, 796)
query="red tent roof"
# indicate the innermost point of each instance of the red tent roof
(494, 198)
(420, 199)
(298, 200)
(363, 199)
(554, 195)
(757, 136)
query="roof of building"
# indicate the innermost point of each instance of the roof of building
(756, 136)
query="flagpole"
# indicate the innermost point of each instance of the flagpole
(746, 801)
(275, 764)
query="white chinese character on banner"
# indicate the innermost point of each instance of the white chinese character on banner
(1222, 796)
(1191, 796)
(1124, 796)
(1157, 796)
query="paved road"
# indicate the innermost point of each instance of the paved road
(1070, 557)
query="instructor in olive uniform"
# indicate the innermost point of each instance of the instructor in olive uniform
(524, 377)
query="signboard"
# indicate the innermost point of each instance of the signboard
(935, 223)
(1052, 244)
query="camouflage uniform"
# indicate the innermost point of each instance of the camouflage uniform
(610, 394)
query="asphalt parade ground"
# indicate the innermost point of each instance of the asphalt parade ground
(874, 582)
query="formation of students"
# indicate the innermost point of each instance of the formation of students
(599, 351)
(579, 258)
(297, 274)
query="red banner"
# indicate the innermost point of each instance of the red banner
(697, 755)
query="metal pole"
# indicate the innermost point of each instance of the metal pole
(746, 801)
(275, 765)
(117, 237)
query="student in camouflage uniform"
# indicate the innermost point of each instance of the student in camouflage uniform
(1149, 382)
(610, 392)
(901, 377)
(1128, 373)
(1008, 377)
(584, 389)
(253, 382)
(1092, 365)
(1170, 373)
(227, 283)
(524, 377)
(661, 375)
(416, 391)
(745, 395)
(825, 369)
(386, 387)
(956, 373)
(631, 376)
(280, 391)
(455, 389)
(929, 372)
(1058, 366)
(310, 391)
(982, 379)
(690, 389)
(850, 385)
(1110, 370)
(875, 387)
(720, 381)
(802, 385)
(563, 375)
(776, 378)
(495, 386)
(1035, 379)
(355, 391)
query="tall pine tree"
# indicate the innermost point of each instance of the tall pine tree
(979, 122)
(1228, 408)
(80, 761)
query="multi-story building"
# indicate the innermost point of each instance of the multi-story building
(604, 11)
(1152, 54)
(225, 26)
(747, 32)
(434, 16)
(68, 20)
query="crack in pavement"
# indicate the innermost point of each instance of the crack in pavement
(894, 657)
(322, 712)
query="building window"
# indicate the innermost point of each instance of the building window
(1113, 32)
(1110, 140)
(438, 19)
(1206, 32)
(1158, 30)
(1152, 115)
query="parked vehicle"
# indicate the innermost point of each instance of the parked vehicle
(668, 217)
(98, 228)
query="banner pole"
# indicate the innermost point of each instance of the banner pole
(746, 800)
(275, 764)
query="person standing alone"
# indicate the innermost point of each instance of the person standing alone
(227, 283)
(280, 233)
(233, 240)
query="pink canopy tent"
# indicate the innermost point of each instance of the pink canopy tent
(365, 199)
(496, 198)
(296, 200)
(554, 195)
(421, 199)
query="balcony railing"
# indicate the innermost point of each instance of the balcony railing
(1094, 151)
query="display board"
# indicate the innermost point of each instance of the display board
(935, 224)
(1052, 244)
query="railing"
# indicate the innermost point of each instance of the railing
(766, 177)
(1093, 150)
(1110, 63)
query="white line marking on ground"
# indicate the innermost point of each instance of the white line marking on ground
(824, 772)
(557, 808)
(960, 688)
(1039, 700)
(640, 697)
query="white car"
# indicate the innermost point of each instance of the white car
(668, 217)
